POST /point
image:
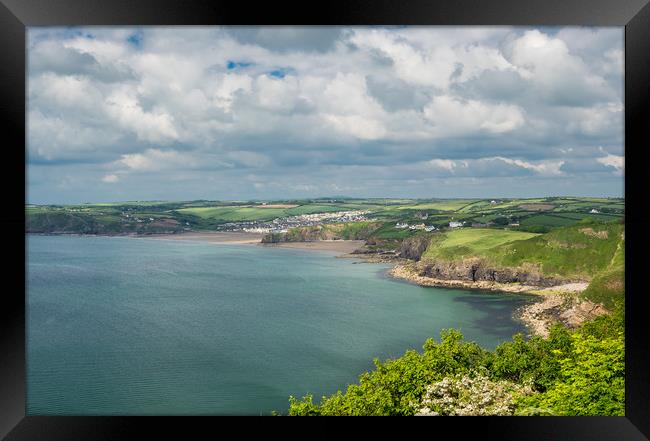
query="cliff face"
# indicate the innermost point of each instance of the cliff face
(476, 269)
(302, 234)
(413, 247)
(65, 223)
(342, 231)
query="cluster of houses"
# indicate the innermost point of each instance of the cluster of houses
(136, 218)
(282, 225)
(404, 225)
(452, 224)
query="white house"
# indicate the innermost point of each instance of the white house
(454, 224)
(593, 210)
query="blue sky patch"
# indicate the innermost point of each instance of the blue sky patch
(231, 65)
(136, 39)
(282, 72)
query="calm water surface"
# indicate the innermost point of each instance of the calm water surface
(142, 326)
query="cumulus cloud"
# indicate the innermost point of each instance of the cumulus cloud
(155, 160)
(455, 116)
(614, 161)
(442, 163)
(543, 167)
(110, 178)
(211, 103)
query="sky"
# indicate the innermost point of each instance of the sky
(254, 113)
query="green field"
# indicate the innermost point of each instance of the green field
(232, 214)
(247, 213)
(446, 205)
(579, 251)
(547, 220)
(212, 215)
(468, 242)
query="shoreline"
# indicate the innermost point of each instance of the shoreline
(553, 304)
(344, 247)
(549, 305)
(212, 237)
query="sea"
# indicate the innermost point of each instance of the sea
(137, 326)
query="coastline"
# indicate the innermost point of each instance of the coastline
(213, 237)
(345, 247)
(243, 238)
(559, 303)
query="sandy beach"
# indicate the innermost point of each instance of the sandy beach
(242, 238)
(215, 237)
(341, 246)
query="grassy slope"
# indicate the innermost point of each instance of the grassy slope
(578, 251)
(457, 244)
(575, 251)
(608, 286)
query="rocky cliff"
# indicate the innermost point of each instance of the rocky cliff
(477, 270)
(342, 231)
(413, 247)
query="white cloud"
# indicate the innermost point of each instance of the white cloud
(110, 178)
(561, 77)
(552, 168)
(155, 126)
(614, 161)
(450, 116)
(155, 160)
(444, 163)
(229, 99)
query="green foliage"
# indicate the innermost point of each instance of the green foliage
(533, 360)
(592, 379)
(577, 372)
(394, 385)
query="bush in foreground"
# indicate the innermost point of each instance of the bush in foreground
(578, 372)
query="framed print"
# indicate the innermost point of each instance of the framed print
(368, 210)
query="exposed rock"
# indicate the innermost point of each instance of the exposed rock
(571, 311)
(558, 299)
(476, 269)
(413, 247)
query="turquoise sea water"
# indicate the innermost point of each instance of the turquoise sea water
(124, 326)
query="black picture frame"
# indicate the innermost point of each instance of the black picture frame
(16, 15)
